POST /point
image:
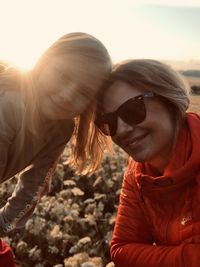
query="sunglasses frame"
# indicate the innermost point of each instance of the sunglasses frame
(113, 116)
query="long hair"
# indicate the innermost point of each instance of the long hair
(10, 76)
(91, 53)
(158, 77)
(85, 141)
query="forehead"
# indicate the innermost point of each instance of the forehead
(77, 63)
(118, 93)
(80, 68)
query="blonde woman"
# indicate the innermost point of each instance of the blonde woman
(143, 108)
(39, 112)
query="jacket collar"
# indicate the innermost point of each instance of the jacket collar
(184, 165)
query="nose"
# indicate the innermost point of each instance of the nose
(66, 93)
(123, 128)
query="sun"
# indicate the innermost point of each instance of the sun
(26, 32)
(23, 63)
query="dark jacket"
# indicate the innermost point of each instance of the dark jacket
(33, 159)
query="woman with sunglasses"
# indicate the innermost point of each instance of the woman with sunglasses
(143, 108)
(39, 112)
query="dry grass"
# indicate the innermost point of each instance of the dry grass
(195, 99)
(193, 81)
(195, 104)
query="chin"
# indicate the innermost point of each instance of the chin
(139, 160)
(140, 157)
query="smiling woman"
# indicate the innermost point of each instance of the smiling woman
(74, 82)
(40, 111)
(158, 217)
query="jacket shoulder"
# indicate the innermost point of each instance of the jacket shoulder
(129, 181)
(10, 99)
(11, 111)
(130, 171)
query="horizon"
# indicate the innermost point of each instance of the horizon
(166, 31)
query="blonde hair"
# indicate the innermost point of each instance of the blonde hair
(91, 52)
(157, 77)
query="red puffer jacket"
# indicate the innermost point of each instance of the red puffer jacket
(158, 221)
(6, 255)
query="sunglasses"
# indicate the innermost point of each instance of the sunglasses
(133, 112)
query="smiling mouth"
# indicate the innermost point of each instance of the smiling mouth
(134, 141)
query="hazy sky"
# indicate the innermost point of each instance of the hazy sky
(129, 29)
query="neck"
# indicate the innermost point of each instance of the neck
(161, 161)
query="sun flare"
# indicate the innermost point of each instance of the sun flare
(129, 28)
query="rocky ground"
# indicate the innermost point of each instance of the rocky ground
(72, 226)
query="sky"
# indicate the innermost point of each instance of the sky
(159, 29)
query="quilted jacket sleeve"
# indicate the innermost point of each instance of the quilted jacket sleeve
(10, 122)
(34, 181)
(32, 184)
(132, 242)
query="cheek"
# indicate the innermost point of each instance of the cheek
(49, 83)
(159, 120)
(162, 133)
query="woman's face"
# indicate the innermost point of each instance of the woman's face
(67, 86)
(151, 140)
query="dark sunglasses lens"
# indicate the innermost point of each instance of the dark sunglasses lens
(107, 124)
(133, 111)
